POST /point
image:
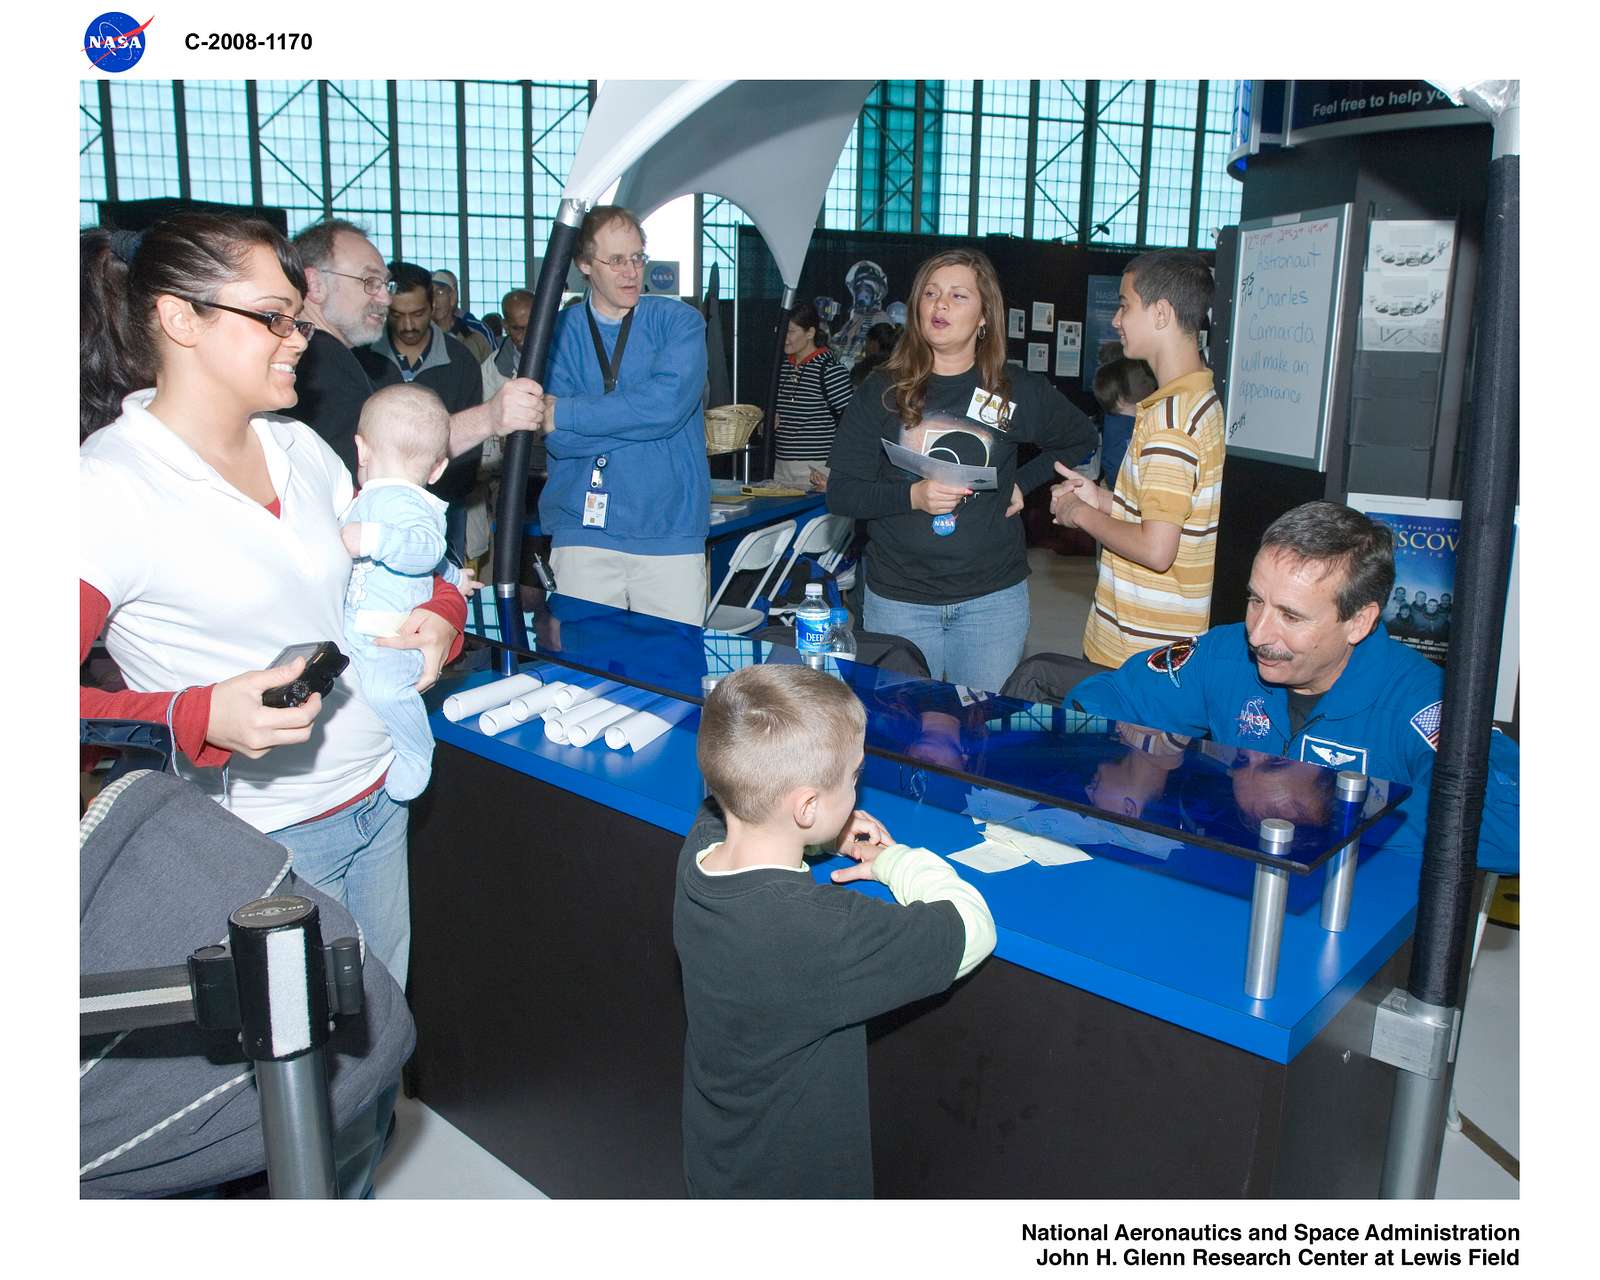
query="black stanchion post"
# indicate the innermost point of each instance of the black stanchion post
(283, 1006)
(769, 437)
(1415, 1028)
(512, 510)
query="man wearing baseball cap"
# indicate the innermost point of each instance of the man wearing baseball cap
(455, 321)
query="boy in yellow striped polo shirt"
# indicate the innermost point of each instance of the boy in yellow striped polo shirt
(1158, 527)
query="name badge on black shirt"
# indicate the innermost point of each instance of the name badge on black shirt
(985, 407)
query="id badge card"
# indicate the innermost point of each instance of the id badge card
(986, 407)
(594, 508)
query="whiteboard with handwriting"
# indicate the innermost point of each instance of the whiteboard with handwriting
(1286, 317)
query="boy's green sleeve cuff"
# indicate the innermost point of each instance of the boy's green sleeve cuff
(887, 863)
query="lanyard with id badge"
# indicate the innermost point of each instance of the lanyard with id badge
(598, 499)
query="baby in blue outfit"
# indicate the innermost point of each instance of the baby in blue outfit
(395, 531)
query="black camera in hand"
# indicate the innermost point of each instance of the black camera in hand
(324, 662)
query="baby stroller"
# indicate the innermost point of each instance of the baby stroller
(189, 1081)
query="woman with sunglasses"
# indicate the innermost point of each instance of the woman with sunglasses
(210, 541)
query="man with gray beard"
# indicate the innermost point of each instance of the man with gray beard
(348, 291)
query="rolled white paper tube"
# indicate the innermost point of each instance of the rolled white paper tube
(643, 727)
(458, 706)
(574, 694)
(582, 732)
(585, 721)
(581, 711)
(556, 732)
(536, 703)
(576, 715)
(499, 719)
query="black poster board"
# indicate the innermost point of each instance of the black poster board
(1030, 271)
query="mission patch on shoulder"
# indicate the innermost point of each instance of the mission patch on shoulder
(1167, 661)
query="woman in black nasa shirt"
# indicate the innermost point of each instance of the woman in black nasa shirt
(946, 567)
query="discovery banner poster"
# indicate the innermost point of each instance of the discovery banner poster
(1418, 611)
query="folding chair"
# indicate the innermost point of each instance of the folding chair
(758, 550)
(823, 541)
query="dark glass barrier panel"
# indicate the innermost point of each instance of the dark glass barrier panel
(1125, 791)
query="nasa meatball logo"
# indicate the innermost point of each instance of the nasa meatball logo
(115, 42)
(1254, 722)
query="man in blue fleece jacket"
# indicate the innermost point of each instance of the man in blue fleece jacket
(1312, 674)
(628, 502)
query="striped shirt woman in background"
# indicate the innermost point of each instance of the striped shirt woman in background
(813, 390)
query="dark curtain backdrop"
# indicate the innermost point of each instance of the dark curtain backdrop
(1030, 271)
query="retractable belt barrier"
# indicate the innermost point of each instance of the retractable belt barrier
(278, 985)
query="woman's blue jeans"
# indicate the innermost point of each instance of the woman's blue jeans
(977, 643)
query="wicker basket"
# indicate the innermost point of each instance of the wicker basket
(728, 426)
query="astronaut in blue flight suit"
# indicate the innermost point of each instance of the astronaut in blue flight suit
(1312, 674)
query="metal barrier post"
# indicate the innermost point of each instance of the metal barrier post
(1340, 887)
(1267, 905)
(283, 1006)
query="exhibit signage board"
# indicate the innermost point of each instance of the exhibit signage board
(1427, 533)
(1287, 292)
(1332, 108)
(1102, 305)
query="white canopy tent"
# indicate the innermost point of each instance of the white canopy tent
(770, 146)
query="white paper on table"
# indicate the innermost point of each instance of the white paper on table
(586, 720)
(1036, 848)
(582, 732)
(458, 706)
(989, 858)
(573, 694)
(565, 722)
(988, 805)
(642, 728)
(589, 720)
(499, 719)
(938, 470)
(1081, 828)
(590, 707)
(536, 703)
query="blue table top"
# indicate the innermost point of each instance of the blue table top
(761, 511)
(1148, 932)
(765, 511)
(1194, 809)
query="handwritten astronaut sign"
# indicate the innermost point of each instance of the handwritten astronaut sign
(1285, 332)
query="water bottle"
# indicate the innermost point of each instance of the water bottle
(841, 636)
(813, 620)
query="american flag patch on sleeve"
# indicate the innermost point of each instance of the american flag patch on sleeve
(1427, 721)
